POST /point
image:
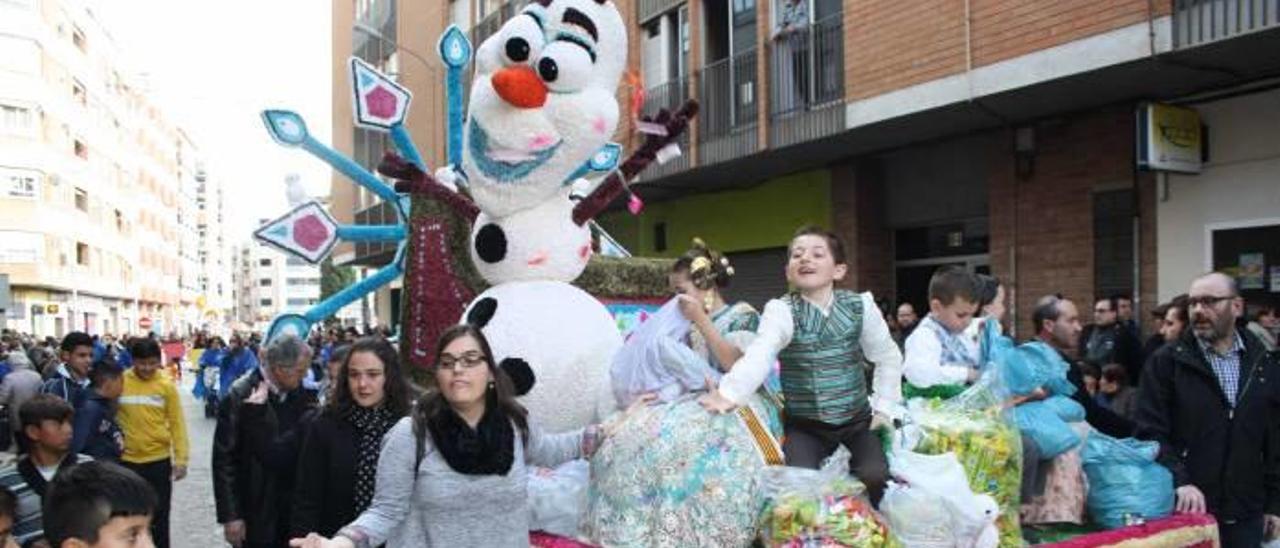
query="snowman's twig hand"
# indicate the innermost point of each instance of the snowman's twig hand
(616, 183)
(410, 179)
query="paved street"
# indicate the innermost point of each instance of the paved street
(193, 523)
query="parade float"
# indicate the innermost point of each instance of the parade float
(502, 237)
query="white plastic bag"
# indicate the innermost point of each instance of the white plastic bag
(931, 506)
(834, 474)
(916, 518)
(558, 497)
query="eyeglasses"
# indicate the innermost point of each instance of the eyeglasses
(469, 360)
(1207, 301)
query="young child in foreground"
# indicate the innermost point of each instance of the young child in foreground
(822, 335)
(99, 505)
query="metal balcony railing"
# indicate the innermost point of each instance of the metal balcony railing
(1197, 22)
(494, 21)
(648, 9)
(806, 78)
(669, 96)
(728, 93)
(375, 253)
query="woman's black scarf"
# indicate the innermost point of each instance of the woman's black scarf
(488, 449)
(371, 423)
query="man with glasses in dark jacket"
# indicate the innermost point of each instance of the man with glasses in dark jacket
(1207, 400)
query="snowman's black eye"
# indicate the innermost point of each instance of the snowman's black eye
(548, 69)
(518, 50)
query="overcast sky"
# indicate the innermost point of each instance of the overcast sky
(214, 66)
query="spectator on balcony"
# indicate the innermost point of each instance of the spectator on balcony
(790, 54)
(793, 15)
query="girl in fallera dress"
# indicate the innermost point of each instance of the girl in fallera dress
(647, 483)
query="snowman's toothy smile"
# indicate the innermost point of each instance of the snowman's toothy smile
(506, 164)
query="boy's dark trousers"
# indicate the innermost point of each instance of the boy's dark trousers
(160, 475)
(809, 442)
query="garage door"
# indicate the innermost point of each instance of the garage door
(758, 276)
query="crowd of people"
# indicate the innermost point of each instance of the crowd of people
(322, 442)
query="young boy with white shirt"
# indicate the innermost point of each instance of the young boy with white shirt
(938, 352)
(822, 336)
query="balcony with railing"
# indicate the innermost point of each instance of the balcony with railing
(375, 253)
(806, 83)
(648, 9)
(491, 22)
(670, 96)
(1198, 22)
(727, 92)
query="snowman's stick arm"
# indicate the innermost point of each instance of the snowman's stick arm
(616, 183)
(411, 179)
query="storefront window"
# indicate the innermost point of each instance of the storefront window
(1252, 255)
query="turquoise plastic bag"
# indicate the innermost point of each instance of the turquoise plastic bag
(1125, 480)
(1045, 422)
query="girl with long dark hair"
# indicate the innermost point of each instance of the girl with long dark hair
(339, 456)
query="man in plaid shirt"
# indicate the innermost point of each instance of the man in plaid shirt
(1212, 401)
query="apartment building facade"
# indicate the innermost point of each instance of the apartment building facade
(1000, 135)
(214, 255)
(97, 215)
(399, 38)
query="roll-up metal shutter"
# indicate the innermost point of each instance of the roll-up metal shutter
(758, 276)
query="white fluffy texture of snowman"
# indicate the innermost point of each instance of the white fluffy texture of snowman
(542, 104)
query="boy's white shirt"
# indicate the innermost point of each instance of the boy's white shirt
(922, 362)
(775, 332)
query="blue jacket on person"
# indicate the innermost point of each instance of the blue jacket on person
(95, 432)
(235, 364)
(212, 357)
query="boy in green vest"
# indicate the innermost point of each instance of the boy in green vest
(822, 336)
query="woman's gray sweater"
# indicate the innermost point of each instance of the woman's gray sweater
(442, 507)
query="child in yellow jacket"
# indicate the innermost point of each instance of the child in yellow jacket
(155, 434)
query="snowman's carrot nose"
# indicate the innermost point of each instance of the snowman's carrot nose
(520, 86)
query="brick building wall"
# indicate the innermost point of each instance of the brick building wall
(894, 45)
(858, 217)
(1042, 225)
(891, 45)
(1004, 29)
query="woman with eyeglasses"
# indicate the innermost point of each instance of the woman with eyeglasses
(339, 456)
(454, 473)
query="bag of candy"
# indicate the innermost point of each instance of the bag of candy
(824, 507)
(975, 426)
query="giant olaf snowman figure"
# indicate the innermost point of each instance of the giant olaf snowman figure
(542, 105)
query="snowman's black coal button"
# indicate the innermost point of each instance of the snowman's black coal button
(491, 243)
(482, 312)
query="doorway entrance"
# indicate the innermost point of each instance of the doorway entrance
(921, 251)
